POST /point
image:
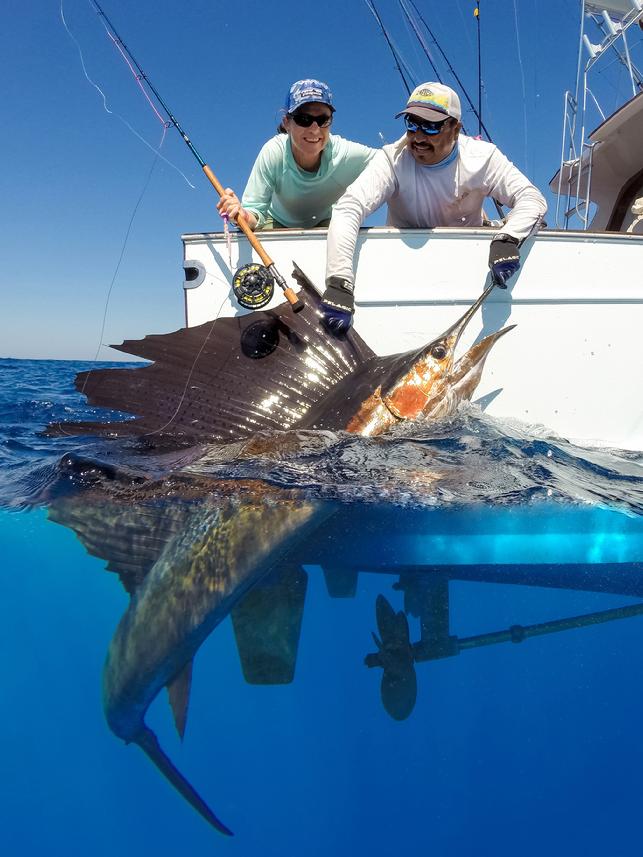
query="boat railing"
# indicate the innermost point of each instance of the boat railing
(564, 192)
(581, 193)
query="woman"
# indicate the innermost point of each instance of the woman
(302, 171)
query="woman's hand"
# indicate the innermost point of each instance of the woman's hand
(230, 206)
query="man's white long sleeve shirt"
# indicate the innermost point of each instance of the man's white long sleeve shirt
(447, 194)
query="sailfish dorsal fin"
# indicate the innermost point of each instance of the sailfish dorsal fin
(226, 379)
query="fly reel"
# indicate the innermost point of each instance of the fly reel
(253, 286)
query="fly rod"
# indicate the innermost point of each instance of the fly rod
(253, 284)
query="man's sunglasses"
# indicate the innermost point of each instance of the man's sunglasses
(305, 120)
(414, 124)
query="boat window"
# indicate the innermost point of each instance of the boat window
(624, 216)
(633, 221)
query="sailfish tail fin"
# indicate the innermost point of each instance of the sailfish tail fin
(148, 742)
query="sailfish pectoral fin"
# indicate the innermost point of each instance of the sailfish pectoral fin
(149, 744)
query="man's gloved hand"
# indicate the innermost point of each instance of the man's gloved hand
(504, 259)
(337, 306)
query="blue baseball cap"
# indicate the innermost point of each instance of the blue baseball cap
(305, 91)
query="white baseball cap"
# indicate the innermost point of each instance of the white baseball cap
(433, 101)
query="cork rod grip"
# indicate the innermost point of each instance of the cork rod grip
(242, 223)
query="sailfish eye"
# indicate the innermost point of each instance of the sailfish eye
(439, 352)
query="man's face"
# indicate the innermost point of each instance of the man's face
(429, 149)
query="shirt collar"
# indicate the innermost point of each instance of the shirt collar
(450, 158)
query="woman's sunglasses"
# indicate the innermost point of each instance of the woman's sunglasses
(414, 124)
(305, 120)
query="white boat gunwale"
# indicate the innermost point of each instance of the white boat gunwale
(573, 365)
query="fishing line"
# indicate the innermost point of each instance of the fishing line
(269, 270)
(412, 13)
(192, 368)
(522, 78)
(115, 274)
(418, 36)
(476, 13)
(418, 55)
(61, 426)
(137, 77)
(120, 259)
(399, 61)
(425, 47)
(157, 155)
(113, 112)
(465, 25)
(228, 238)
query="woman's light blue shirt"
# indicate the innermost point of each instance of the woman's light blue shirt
(279, 189)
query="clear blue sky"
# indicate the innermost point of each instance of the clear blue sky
(72, 173)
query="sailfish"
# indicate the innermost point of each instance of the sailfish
(274, 370)
(187, 563)
(230, 380)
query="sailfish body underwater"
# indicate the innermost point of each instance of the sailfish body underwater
(223, 548)
(229, 380)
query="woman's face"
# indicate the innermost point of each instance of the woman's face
(308, 142)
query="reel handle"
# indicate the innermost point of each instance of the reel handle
(291, 296)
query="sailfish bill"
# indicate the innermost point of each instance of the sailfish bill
(275, 370)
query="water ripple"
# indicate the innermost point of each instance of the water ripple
(470, 458)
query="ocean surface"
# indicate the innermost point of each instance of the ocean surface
(428, 643)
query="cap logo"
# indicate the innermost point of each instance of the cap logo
(303, 91)
(310, 92)
(429, 98)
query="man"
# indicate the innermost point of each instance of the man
(433, 176)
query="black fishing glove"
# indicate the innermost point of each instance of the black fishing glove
(504, 259)
(337, 306)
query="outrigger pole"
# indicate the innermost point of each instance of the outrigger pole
(251, 271)
(476, 13)
(476, 112)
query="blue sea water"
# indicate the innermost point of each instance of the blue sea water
(524, 736)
